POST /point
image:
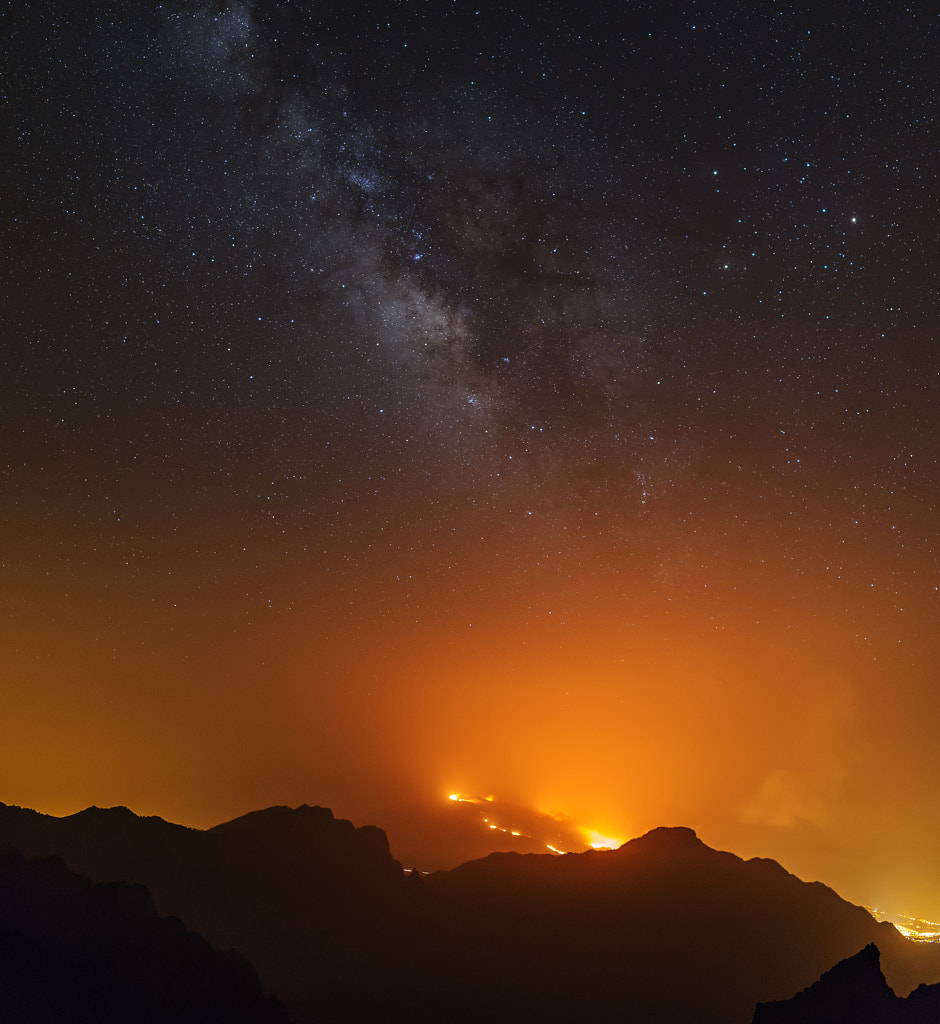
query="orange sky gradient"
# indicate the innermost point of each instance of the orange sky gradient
(751, 710)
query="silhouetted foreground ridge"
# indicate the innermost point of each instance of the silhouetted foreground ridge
(72, 952)
(854, 992)
(664, 930)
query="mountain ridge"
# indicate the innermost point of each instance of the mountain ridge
(854, 991)
(83, 953)
(338, 930)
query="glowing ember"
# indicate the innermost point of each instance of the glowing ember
(596, 840)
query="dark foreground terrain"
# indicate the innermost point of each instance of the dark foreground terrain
(664, 930)
(854, 992)
(96, 954)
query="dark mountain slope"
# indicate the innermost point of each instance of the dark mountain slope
(664, 929)
(72, 952)
(854, 992)
(299, 893)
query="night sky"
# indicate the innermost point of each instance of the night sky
(410, 398)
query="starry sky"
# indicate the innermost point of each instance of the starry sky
(402, 398)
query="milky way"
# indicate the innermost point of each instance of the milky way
(331, 330)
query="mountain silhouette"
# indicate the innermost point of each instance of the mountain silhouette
(664, 930)
(305, 897)
(72, 952)
(854, 992)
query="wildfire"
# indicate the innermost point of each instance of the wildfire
(596, 840)
(600, 842)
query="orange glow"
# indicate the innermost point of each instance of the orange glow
(599, 842)
(770, 735)
(579, 836)
(910, 927)
(465, 798)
